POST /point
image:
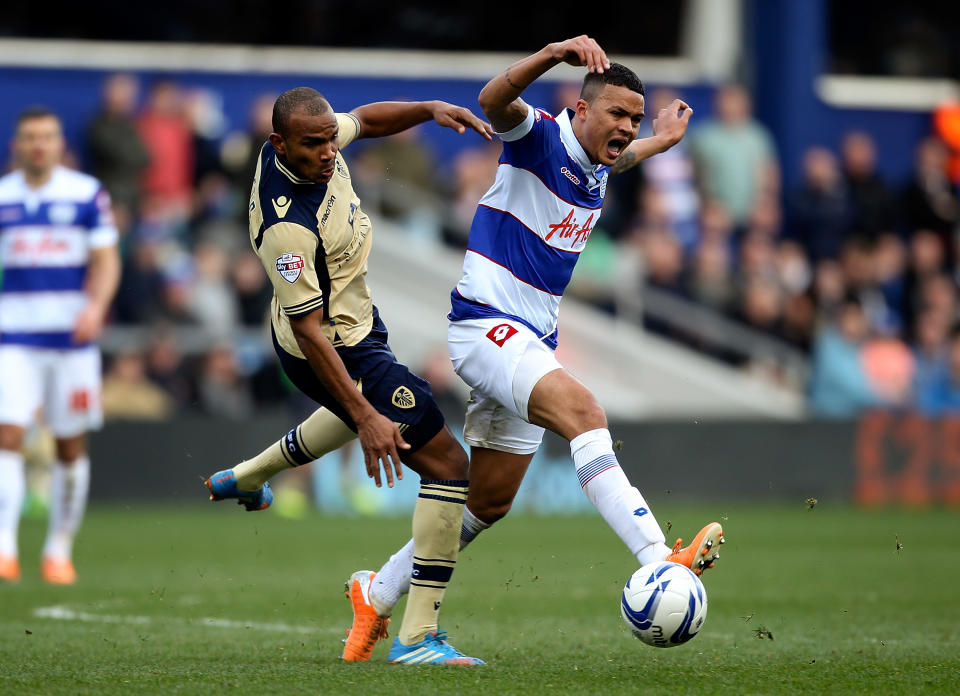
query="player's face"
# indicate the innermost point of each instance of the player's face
(610, 123)
(310, 145)
(38, 145)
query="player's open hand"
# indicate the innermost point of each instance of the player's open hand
(381, 441)
(581, 50)
(459, 118)
(671, 123)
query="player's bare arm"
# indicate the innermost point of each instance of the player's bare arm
(500, 98)
(669, 127)
(103, 277)
(379, 436)
(386, 118)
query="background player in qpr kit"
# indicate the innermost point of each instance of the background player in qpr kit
(313, 239)
(60, 272)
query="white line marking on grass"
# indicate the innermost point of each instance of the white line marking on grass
(64, 613)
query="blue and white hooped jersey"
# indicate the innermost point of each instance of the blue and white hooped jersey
(531, 226)
(46, 236)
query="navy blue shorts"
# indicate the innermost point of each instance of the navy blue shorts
(390, 387)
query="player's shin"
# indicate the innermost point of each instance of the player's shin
(437, 520)
(620, 504)
(12, 489)
(319, 434)
(69, 484)
(393, 579)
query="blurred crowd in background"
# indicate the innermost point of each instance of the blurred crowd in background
(857, 273)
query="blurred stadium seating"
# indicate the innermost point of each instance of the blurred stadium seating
(795, 255)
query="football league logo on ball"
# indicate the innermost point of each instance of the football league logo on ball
(289, 266)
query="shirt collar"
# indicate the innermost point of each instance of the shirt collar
(576, 150)
(283, 169)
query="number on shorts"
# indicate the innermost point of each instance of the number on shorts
(500, 333)
(80, 400)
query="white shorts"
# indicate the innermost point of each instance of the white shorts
(66, 383)
(502, 360)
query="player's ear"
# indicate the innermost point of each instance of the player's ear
(278, 144)
(581, 109)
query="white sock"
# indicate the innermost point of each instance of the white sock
(472, 526)
(69, 484)
(393, 579)
(620, 504)
(12, 489)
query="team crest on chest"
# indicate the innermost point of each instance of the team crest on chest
(603, 185)
(62, 213)
(403, 398)
(289, 266)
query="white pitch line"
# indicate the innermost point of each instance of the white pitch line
(64, 613)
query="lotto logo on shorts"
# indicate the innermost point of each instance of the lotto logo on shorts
(499, 334)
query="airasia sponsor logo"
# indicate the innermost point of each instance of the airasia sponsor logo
(36, 248)
(570, 230)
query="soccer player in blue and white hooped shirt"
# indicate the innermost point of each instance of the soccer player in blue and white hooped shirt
(526, 236)
(58, 248)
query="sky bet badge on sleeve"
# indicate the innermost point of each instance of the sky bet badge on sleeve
(289, 266)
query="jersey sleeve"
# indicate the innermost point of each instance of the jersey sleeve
(103, 229)
(295, 262)
(349, 127)
(528, 143)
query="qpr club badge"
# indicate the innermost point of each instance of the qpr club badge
(289, 266)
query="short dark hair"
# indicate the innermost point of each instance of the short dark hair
(34, 112)
(617, 74)
(306, 98)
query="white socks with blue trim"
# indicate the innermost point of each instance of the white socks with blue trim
(69, 484)
(620, 504)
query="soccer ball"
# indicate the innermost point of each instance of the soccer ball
(664, 604)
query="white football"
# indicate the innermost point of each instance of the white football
(664, 604)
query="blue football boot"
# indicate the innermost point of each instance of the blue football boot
(223, 485)
(432, 650)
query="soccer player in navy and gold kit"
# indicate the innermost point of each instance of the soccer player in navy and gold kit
(313, 240)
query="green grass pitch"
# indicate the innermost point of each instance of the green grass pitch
(213, 600)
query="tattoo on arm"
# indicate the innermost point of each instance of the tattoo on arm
(506, 76)
(623, 163)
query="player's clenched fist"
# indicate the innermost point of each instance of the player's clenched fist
(581, 50)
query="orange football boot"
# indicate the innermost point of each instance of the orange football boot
(702, 552)
(58, 571)
(368, 626)
(9, 569)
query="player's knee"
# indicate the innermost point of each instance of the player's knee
(589, 414)
(490, 511)
(69, 451)
(450, 463)
(11, 438)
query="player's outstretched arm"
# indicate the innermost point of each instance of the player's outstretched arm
(379, 436)
(669, 127)
(386, 118)
(500, 98)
